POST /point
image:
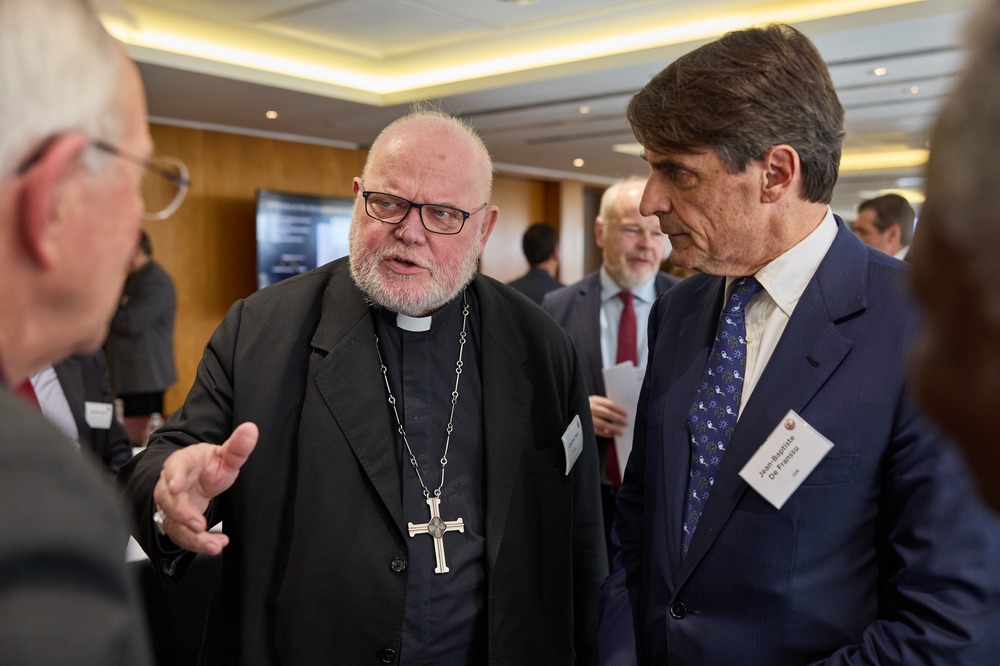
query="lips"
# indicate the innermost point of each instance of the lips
(402, 265)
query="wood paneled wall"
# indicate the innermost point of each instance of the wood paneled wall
(209, 246)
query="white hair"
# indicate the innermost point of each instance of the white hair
(963, 180)
(610, 199)
(59, 72)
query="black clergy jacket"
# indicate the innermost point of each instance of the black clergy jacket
(315, 569)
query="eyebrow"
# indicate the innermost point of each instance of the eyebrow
(670, 164)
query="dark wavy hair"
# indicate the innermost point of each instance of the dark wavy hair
(742, 94)
(892, 209)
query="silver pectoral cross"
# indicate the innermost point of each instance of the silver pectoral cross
(436, 528)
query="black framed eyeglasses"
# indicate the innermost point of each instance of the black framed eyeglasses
(165, 179)
(436, 218)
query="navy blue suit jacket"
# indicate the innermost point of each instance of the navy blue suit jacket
(882, 556)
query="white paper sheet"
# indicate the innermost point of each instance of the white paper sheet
(622, 383)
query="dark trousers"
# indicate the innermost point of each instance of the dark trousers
(608, 505)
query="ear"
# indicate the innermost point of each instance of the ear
(489, 221)
(782, 173)
(43, 198)
(893, 234)
(598, 236)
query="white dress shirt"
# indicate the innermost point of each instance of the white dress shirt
(784, 281)
(611, 313)
(53, 402)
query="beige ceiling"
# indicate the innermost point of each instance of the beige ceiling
(337, 70)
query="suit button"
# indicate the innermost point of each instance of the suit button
(678, 610)
(398, 565)
(388, 656)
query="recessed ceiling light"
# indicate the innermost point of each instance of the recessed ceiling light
(914, 90)
(578, 163)
(271, 115)
(880, 71)
(584, 110)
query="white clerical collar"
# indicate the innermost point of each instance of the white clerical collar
(415, 324)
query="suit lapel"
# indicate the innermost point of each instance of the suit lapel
(809, 351)
(71, 380)
(507, 397)
(349, 376)
(587, 311)
(693, 344)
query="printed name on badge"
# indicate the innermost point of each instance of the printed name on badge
(98, 414)
(789, 455)
(572, 441)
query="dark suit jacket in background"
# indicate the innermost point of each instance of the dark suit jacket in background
(140, 345)
(882, 556)
(577, 308)
(535, 284)
(315, 571)
(65, 597)
(84, 378)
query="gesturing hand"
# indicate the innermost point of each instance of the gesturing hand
(190, 478)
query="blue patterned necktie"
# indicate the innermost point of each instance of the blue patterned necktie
(713, 413)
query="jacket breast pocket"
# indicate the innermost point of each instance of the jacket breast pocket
(549, 459)
(834, 469)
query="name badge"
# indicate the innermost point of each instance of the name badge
(789, 455)
(572, 441)
(98, 414)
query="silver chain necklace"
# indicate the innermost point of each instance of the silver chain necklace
(435, 526)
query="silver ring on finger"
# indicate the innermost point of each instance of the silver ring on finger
(158, 517)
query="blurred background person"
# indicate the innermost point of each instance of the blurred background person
(140, 345)
(74, 394)
(74, 148)
(541, 248)
(956, 261)
(605, 313)
(886, 223)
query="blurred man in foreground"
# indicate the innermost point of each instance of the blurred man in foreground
(956, 262)
(73, 149)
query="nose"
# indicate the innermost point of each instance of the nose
(410, 229)
(655, 201)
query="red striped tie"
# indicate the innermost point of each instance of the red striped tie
(627, 351)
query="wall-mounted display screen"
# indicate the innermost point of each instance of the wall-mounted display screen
(297, 232)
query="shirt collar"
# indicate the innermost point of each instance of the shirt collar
(787, 276)
(646, 292)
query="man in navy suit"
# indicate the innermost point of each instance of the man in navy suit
(831, 524)
(590, 310)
